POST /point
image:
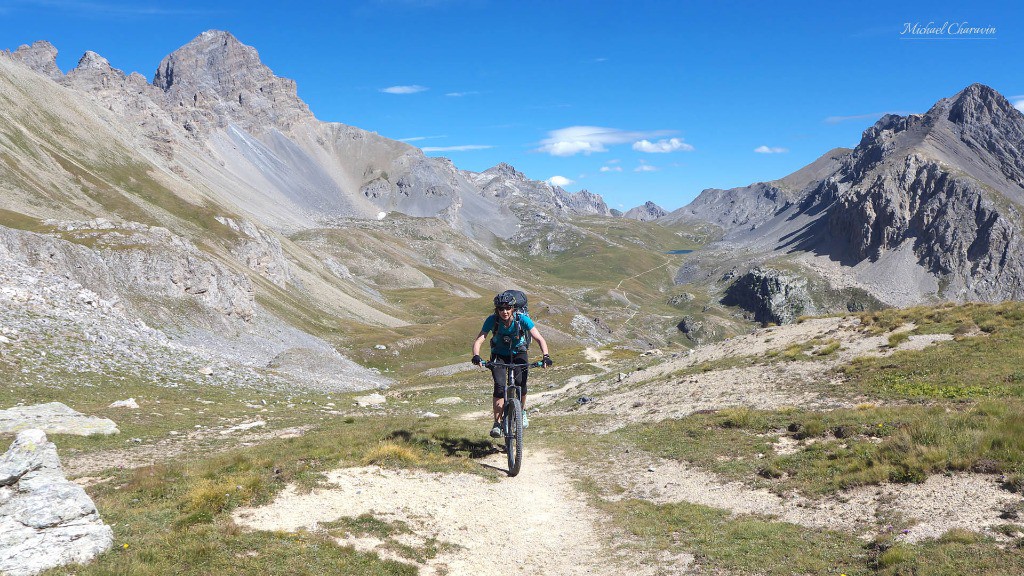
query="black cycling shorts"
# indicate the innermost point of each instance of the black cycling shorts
(499, 373)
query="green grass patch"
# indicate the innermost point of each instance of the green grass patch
(741, 545)
(843, 448)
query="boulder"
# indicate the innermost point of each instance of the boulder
(54, 418)
(773, 296)
(45, 520)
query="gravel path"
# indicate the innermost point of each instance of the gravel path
(559, 533)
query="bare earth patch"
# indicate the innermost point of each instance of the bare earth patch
(554, 530)
(941, 503)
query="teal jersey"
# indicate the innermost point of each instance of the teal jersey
(506, 341)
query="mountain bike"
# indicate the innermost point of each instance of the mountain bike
(512, 416)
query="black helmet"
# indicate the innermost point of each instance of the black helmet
(504, 299)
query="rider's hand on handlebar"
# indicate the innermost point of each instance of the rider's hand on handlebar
(476, 359)
(547, 361)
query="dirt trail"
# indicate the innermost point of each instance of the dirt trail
(559, 533)
(562, 534)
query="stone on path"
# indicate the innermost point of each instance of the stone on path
(45, 520)
(54, 418)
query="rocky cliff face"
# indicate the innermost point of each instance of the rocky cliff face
(927, 205)
(949, 183)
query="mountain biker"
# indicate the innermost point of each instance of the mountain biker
(508, 345)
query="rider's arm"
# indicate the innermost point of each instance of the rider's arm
(479, 342)
(540, 340)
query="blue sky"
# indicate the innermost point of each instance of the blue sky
(634, 100)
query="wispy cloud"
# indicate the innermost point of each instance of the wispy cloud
(462, 148)
(589, 139)
(645, 167)
(461, 94)
(559, 181)
(662, 146)
(611, 168)
(1018, 102)
(871, 116)
(419, 138)
(404, 89)
(770, 150)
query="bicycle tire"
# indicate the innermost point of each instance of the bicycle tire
(514, 436)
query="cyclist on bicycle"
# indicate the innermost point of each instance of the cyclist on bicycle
(509, 344)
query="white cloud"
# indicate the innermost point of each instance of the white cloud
(1019, 105)
(589, 139)
(871, 116)
(404, 89)
(559, 181)
(611, 168)
(645, 168)
(462, 148)
(418, 138)
(770, 150)
(461, 94)
(662, 146)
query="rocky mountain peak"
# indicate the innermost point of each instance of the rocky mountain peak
(646, 212)
(586, 202)
(979, 104)
(41, 56)
(215, 80)
(92, 60)
(507, 171)
(94, 74)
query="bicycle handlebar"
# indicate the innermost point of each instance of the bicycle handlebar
(491, 363)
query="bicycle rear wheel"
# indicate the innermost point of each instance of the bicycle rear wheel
(514, 435)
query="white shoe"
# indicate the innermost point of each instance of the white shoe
(526, 420)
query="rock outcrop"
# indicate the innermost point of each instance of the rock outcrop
(54, 418)
(41, 56)
(773, 296)
(45, 520)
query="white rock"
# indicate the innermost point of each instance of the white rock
(431, 415)
(371, 400)
(54, 418)
(380, 347)
(129, 403)
(206, 371)
(245, 426)
(45, 520)
(449, 400)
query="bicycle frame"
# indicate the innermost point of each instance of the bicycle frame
(512, 413)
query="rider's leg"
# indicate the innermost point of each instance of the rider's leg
(521, 377)
(499, 407)
(498, 396)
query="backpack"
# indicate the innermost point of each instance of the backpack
(521, 309)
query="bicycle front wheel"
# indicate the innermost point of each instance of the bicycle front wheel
(514, 435)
